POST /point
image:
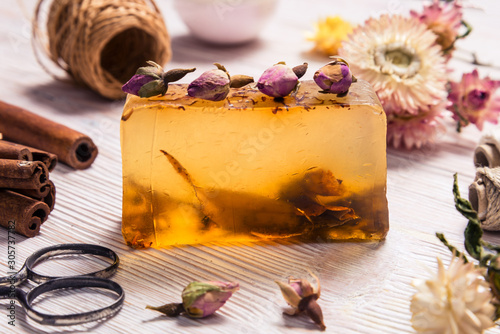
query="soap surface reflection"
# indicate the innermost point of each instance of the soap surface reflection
(249, 168)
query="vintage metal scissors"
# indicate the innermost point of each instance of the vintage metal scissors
(96, 279)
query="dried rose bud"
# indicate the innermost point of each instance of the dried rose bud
(151, 80)
(334, 77)
(200, 299)
(212, 85)
(302, 296)
(280, 80)
(134, 85)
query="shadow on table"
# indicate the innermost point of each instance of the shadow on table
(30, 326)
(188, 50)
(69, 98)
(300, 321)
(185, 321)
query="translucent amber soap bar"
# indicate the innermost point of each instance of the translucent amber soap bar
(247, 168)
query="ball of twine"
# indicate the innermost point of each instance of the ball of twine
(100, 43)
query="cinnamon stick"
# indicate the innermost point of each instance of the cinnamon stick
(14, 151)
(19, 174)
(49, 159)
(71, 147)
(10, 150)
(21, 212)
(46, 195)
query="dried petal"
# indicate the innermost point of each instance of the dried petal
(301, 286)
(313, 310)
(289, 293)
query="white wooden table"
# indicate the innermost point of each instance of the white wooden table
(365, 286)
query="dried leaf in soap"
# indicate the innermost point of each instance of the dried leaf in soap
(243, 212)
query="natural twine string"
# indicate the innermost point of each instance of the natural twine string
(100, 43)
(484, 195)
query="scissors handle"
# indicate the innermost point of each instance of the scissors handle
(75, 282)
(65, 249)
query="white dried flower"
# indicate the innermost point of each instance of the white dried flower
(456, 301)
(400, 58)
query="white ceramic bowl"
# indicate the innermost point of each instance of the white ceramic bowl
(225, 21)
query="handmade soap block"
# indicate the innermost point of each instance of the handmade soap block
(312, 166)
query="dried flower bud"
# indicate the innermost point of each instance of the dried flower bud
(334, 77)
(200, 299)
(137, 82)
(302, 296)
(151, 81)
(212, 85)
(280, 80)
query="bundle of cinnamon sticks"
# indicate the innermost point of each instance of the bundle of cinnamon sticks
(30, 147)
(27, 196)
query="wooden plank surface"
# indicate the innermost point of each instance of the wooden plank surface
(365, 286)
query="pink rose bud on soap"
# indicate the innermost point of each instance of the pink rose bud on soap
(280, 80)
(334, 77)
(212, 85)
(200, 299)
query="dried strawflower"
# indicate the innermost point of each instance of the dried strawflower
(472, 293)
(329, 35)
(200, 299)
(473, 100)
(398, 56)
(302, 296)
(335, 77)
(280, 80)
(457, 300)
(414, 131)
(212, 85)
(151, 80)
(445, 20)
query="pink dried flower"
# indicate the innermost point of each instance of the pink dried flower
(200, 299)
(414, 131)
(444, 19)
(473, 100)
